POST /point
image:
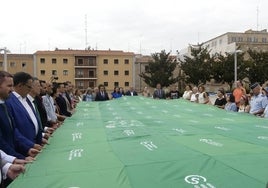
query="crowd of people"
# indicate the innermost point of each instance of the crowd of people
(31, 110)
(255, 102)
(100, 94)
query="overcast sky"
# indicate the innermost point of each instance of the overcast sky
(139, 26)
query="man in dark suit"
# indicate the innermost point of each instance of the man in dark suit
(61, 101)
(102, 95)
(26, 127)
(7, 128)
(131, 92)
(36, 105)
(159, 93)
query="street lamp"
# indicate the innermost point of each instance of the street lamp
(235, 65)
(5, 57)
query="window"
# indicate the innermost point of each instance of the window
(65, 61)
(255, 39)
(126, 84)
(12, 64)
(116, 84)
(126, 72)
(116, 61)
(240, 39)
(1, 64)
(23, 64)
(91, 84)
(80, 73)
(65, 72)
(54, 60)
(80, 62)
(54, 72)
(126, 61)
(91, 61)
(233, 39)
(105, 72)
(264, 40)
(116, 72)
(91, 73)
(80, 84)
(42, 72)
(105, 61)
(249, 39)
(105, 84)
(42, 60)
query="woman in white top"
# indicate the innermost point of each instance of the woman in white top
(187, 93)
(203, 96)
(194, 95)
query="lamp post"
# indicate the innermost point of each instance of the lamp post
(5, 57)
(235, 65)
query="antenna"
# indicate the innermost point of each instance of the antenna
(198, 37)
(140, 43)
(258, 18)
(86, 32)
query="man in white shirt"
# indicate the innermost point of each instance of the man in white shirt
(258, 100)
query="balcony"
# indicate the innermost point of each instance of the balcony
(85, 77)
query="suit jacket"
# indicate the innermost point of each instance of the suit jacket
(159, 94)
(7, 135)
(42, 111)
(62, 106)
(99, 97)
(24, 127)
(128, 93)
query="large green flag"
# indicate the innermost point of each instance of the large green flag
(137, 142)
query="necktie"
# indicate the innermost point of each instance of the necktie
(31, 105)
(6, 113)
(35, 111)
(38, 116)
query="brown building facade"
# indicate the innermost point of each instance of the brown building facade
(86, 68)
(17, 62)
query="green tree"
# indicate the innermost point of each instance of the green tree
(223, 68)
(197, 68)
(160, 70)
(258, 66)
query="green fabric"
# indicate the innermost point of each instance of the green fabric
(136, 142)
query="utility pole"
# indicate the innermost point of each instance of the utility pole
(5, 57)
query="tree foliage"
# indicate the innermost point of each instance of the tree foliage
(160, 70)
(201, 67)
(258, 66)
(197, 68)
(223, 68)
